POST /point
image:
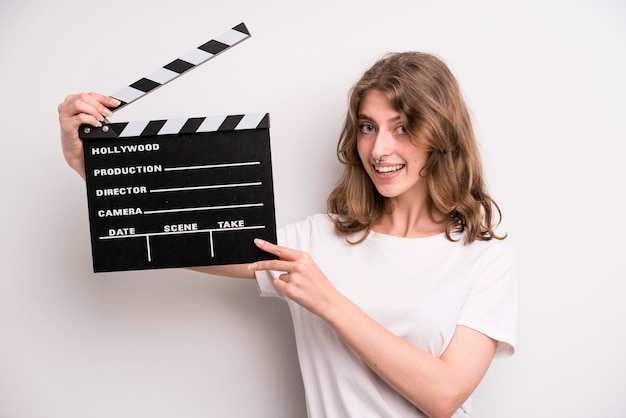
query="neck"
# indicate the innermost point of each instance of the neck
(410, 220)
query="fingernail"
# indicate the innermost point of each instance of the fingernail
(252, 266)
(116, 102)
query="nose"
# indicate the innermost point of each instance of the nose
(382, 144)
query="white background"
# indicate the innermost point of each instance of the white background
(546, 84)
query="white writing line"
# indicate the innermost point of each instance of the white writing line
(249, 205)
(148, 250)
(216, 186)
(199, 167)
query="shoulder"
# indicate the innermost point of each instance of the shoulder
(485, 250)
(318, 220)
(300, 234)
(494, 265)
(491, 260)
(495, 249)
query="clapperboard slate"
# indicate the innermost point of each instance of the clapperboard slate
(179, 192)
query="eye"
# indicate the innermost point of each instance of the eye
(366, 128)
(402, 130)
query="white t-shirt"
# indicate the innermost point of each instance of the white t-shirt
(418, 288)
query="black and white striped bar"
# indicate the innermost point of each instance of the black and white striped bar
(178, 126)
(181, 65)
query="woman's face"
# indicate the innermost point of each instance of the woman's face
(383, 136)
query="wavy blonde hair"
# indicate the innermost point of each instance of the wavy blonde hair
(429, 100)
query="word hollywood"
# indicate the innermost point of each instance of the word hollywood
(119, 149)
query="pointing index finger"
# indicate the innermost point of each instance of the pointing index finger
(266, 246)
(284, 253)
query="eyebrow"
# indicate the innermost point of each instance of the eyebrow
(364, 116)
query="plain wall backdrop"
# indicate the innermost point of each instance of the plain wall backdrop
(546, 84)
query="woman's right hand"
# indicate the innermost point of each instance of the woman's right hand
(77, 109)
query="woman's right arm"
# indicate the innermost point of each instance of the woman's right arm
(92, 109)
(237, 271)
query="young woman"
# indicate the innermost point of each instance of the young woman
(403, 293)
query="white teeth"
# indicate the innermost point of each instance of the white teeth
(388, 169)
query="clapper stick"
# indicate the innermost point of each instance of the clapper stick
(181, 65)
(164, 75)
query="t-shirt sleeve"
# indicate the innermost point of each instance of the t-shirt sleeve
(491, 306)
(264, 281)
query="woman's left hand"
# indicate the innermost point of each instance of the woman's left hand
(302, 280)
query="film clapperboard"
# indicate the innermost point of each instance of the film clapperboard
(179, 192)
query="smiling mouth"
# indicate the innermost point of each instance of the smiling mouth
(388, 169)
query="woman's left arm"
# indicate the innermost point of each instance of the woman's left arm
(437, 386)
